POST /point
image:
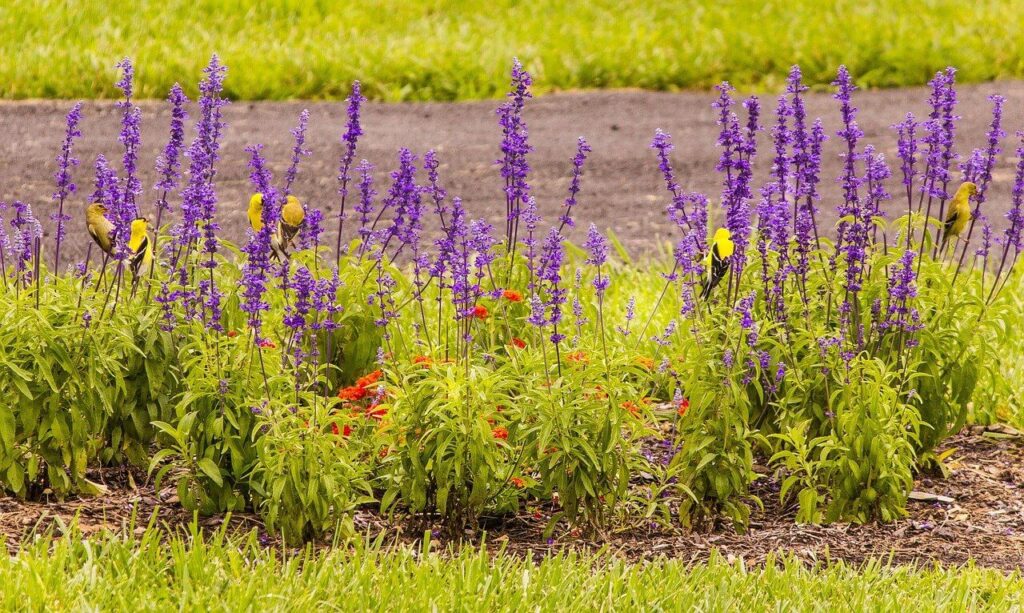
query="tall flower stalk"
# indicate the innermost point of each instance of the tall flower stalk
(65, 186)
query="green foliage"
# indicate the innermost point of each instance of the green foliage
(288, 49)
(210, 573)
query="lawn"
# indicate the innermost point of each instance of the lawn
(217, 574)
(422, 50)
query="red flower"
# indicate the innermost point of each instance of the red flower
(345, 430)
(423, 359)
(232, 333)
(500, 433)
(383, 453)
(518, 343)
(267, 344)
(518, 482)
(376, 411)
(578, 356)
(512, 295)
(480, 312)
(370, 379)
(352, 392)
(684, 406)
(632, 407)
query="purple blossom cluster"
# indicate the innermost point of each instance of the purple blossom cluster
(65, 185)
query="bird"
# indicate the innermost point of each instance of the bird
(139, 246)
(100, 228)
(959, 212)
(255, 212)
(722, 249)
(292, 217)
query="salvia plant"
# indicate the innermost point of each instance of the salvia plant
(473, 370)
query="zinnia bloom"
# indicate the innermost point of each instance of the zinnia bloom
(518, 482)
(512, 296)
(632, 407)
(647, 363)
(684, 406)
(500, 433)
(369, 379)
(578, 356)
(423, 359)
(518, 343)
(352, 392)
(232, 333)
(480, 312)
(267, 344)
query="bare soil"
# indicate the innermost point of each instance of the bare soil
(622, 188)
(984, 522)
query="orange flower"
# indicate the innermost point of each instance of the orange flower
(376, 411)
(370, 379)
(267, 344)
(646, 362)
(345, 430)
(500, 433)
(423, 359)
(518, 482)
(352, 392)
(632, 407)
(383, 453)
(232, 333)
(684, 406)
(480, 312)
(518, 343)
(578, 356)
(512, 296)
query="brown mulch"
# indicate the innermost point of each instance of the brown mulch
(984, 522)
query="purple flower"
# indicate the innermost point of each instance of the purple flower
(365, 207)
(298, 151)
(514, 148)
(199, 198)
(168, 163)
(130, 138)
(738, 150)
(630, 315)
(1015, 216)
(582, 149)
(257, 249)
(597, 248)
(65, 186)
(353, 130)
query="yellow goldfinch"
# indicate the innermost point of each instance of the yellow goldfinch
(722, 249)
(292, 216)
(139, 246)
(959, 212)
(256, 212)
(100, 228)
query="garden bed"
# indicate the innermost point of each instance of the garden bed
(984, 522)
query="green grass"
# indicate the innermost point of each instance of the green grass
(190, 574)
(423, 50)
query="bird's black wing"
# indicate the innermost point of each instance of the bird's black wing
(139, 256)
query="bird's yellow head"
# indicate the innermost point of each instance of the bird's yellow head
(256, 202)
(292, 212)
(723, 242)
(139, 226)
(96, 209)
(967, 189)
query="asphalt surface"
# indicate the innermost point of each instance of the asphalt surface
(622, 187)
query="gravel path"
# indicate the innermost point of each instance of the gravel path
(622, 187)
